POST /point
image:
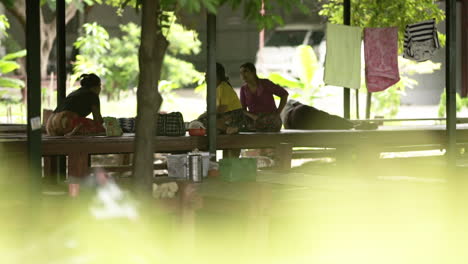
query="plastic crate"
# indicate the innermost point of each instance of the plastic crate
(242, 169)
(177, 166)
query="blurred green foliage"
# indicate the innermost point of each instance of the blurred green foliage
(115, 59)
(461, 103)
(8, 62)
(8, 65)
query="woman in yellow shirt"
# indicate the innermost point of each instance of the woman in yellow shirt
(226, 98)
(230, 115)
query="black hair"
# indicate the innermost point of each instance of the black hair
(89, 80)
(249, 66)
(221, 74)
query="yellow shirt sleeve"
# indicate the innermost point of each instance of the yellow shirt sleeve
(219, 94)
(225, 95)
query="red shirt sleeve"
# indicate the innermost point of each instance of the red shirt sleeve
(275, 89)
(242, 97)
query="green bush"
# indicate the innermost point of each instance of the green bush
(115, 60)
(461, 103)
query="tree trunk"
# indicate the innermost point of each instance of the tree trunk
(48, 31)
(48, 35)
(151, 54)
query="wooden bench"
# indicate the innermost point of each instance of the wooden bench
(78, 149)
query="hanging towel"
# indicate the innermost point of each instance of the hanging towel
(343, 58)
(421, 41)
(381, 58)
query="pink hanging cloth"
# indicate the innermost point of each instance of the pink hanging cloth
(381, 58)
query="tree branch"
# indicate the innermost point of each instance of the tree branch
(70, 12)
(18, 10)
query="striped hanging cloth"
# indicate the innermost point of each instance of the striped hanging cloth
(421, 41)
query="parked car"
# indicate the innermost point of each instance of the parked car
(280, 51)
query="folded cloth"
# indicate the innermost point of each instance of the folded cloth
(381, 58)
(421, 41)
(343, 58)
(88, 126)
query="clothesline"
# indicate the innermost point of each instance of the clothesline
(343, 57)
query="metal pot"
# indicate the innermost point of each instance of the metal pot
(195, 167)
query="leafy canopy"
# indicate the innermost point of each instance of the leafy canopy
(252, 9)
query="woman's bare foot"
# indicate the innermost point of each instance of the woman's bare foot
(74, 131)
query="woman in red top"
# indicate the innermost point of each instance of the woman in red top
(256, 97)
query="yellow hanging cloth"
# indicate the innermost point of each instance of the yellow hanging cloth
(343, 58)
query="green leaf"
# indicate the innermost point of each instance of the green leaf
(11, 83)
(8, 66)
(15, 55)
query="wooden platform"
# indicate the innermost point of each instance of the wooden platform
(79, 148)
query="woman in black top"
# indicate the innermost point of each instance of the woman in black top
(69, 118)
